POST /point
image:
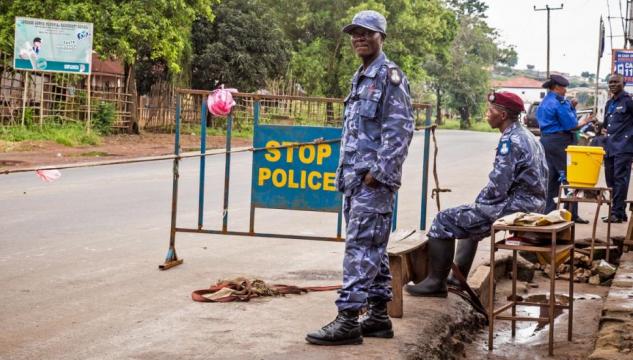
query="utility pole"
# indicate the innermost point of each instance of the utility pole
(548, 9)
(628, 33)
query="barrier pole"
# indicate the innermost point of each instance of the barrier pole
(203, 150)
(256, 108)
(425, 168)
(394, 218)
(227, 172)
(171, 259)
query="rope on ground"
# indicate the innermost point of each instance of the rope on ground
(243, 289)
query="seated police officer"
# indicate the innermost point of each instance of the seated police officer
(517, 183)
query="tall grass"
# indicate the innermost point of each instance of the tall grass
(476, 125)
(65, 134)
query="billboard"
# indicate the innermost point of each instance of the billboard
(622, 63)
(295, 178)
(52, 46)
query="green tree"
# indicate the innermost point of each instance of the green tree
(241, 48)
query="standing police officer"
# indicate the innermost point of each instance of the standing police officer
(517, 183)
(377, 130)
(557, 120)
(618, 123)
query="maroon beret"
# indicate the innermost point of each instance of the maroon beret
(507, 100)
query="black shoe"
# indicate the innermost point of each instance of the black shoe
(344, 330)
(580, 220)
(376, 322)
(441, 254)
(612, 219)
(464, 256)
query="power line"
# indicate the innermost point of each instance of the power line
(609, 21)
(548, 9)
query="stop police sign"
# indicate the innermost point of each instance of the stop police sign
(295, 178)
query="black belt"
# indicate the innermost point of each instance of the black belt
(560, 133)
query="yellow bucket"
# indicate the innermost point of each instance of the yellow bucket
(583, 165)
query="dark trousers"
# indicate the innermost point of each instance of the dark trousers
(617, 170)
(555, 145)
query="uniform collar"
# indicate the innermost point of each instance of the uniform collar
(374, 66)
(620, 95)
(557, 96)
(514, 125)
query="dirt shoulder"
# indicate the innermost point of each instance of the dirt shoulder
(15, 155)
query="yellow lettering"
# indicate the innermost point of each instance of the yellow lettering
(323, 151)
(291, 181)
(273, 154)
(306, 159)
(289, 150)
(303, 179)
(311, 177)
(279, 178)
(328, 181)
(264, 174)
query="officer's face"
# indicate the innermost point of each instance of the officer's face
(495, 116)
(616, 84)
(365, 42)
(560, 90)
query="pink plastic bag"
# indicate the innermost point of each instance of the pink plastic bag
(220, 101)
(48, 175)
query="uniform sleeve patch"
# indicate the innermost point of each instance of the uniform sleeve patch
(504, 147)
(395, 76)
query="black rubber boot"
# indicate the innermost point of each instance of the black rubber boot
(466, 250)
(376, 322)
(344, 330)
(441, 254)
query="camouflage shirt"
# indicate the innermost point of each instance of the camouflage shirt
(377, 129)
(518, 181)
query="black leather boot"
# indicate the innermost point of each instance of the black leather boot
(376, 322)
(441, 252)
(466, 250)
(344, 330)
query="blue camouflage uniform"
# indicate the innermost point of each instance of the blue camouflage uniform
(517, 183)
(618, 121)
(377, 130)
(557, 121)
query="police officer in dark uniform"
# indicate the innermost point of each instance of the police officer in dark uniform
(618, 125)
(517, 183)
(557, 120)
(377, 130)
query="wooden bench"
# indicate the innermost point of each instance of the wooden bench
(628, 239)
(407, 262)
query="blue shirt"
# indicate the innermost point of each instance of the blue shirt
(618, 121)
(555, 114)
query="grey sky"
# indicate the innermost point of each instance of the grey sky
(574, 32)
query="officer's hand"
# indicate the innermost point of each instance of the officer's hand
(574, 102)
(604, 131)
(370, 181)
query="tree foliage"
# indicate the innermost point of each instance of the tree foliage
(241, 48)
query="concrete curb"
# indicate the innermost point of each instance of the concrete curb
(615, 337)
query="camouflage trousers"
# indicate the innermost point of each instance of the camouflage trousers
(366, 273)
(461, 222)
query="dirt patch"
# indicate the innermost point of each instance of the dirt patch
(36, 153)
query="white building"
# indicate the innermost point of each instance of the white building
(529, 90)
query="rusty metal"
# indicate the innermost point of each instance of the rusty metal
(171, 259)
(227, 174)
(268, 235)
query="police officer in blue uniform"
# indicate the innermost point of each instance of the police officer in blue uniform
(618, 125)
(557, 120)
(517, 182)
(377, 131)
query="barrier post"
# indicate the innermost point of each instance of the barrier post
(227, 172)
(256, 108)
(425, 168)
(203, 150)
(171, 259)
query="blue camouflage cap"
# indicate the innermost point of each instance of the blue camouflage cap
(370, 20)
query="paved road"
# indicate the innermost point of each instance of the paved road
(78, 260)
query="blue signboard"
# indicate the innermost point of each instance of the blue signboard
(622, 63)
(295, 178)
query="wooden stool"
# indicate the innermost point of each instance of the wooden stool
(603, 196)
(564, 231)
(407, 262)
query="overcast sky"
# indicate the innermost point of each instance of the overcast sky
(574, 32)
